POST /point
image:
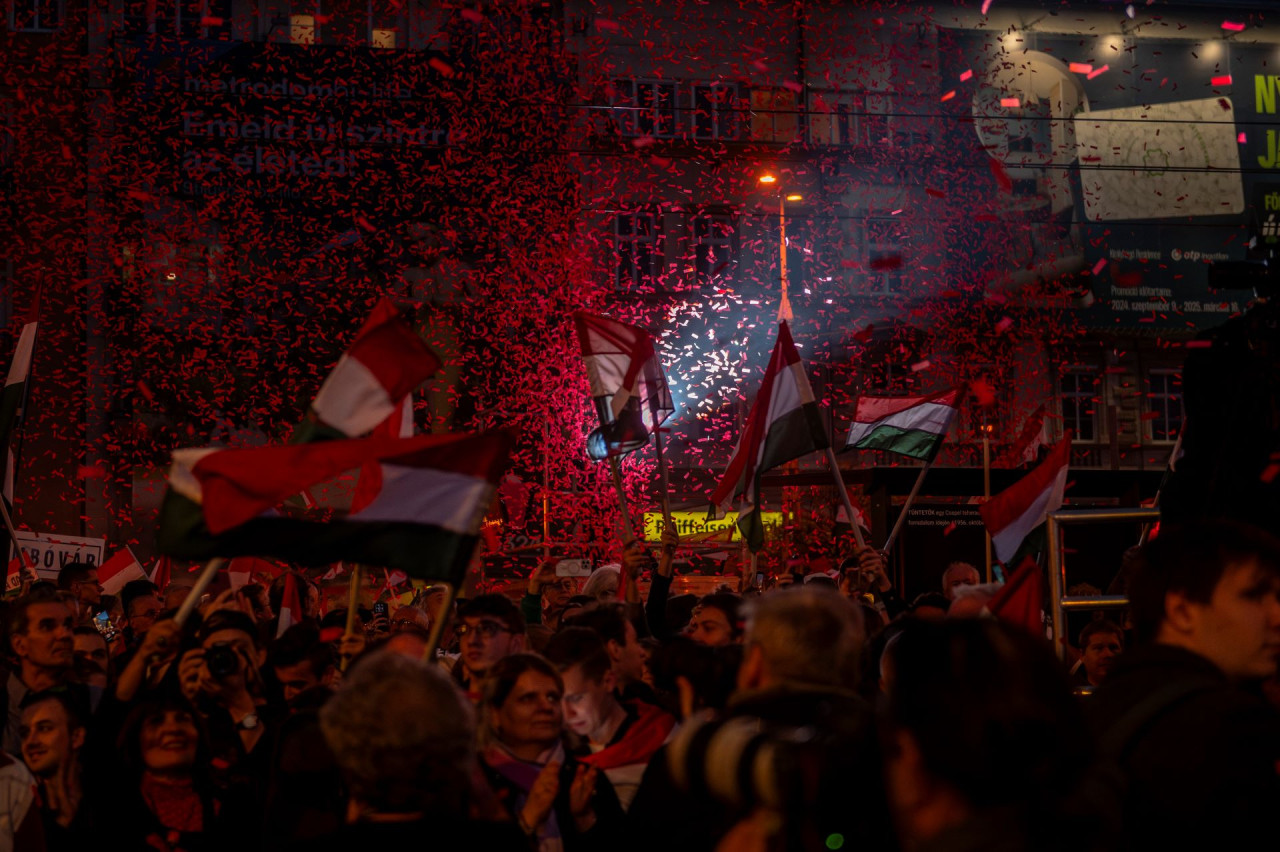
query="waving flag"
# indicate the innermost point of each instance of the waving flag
(385, 364)
(908, 425)
(12, 400)
(290, 605)
(1021, 599)
(1013, 513)
(784, 424)
(118, 570)
(627, 384)
(425, 519)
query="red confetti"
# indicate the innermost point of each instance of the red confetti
(1224, 80)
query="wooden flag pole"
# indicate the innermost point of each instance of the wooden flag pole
(353, 600)
(902, 517)
(29, 573)
(665, 479)
(192, 600)
(438, 626)
(844, 497)
(986, 484)
(616, 469)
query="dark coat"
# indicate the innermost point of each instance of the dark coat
(831, 782)
(1200, 769)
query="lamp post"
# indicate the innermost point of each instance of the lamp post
(784, 306)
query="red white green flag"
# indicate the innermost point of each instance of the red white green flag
(385, 364)
(120, 569)
(425, 519)
(627, 384)
(784, 424)
(908, 425)
(1013, 513)
(12, 400)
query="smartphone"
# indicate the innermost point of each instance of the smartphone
(573, 568)
(380, 609)
(759, 583)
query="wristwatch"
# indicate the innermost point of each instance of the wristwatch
(248, 723)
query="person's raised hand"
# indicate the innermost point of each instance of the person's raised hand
(582, 789)
(192, 674)
(543, 575)
(160, 643)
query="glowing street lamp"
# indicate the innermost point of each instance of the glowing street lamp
(784, 306)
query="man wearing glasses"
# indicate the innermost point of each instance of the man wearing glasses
(81, 580)
(489, 628)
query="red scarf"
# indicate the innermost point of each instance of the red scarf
(645, 736)
(175, 803)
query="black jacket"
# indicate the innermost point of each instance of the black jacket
(1197, 755)
(828, 773)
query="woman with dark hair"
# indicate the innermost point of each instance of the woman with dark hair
(163, 800)
(559, 803)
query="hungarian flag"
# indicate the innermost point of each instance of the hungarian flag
(291, 612)
(1021, 599)
(784, 424)
(161, 572)
(118, 570)
(425, 520)
(627, 384)
(385, 364)
(13, 399)
(1013, 513)
(908, 425)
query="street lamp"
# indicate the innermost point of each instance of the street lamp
(784, 306)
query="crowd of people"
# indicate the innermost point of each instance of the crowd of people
(818, 711)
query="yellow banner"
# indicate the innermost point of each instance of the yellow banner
(697, 523)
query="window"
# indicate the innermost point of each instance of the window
(1164, 401)
(1079, 386)
(386, 23)
(715, 237)
(886, 245)
(715, 111)
(637, 241)
(208, 19)
(645, 108)
(774, 116)
(35, 16)
(835, 118)
(895, 121)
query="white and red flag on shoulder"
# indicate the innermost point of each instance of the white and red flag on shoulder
(385, 364)
(1013, 513)
(627, 384)
(290, 605)
(118, 570)
(784, 424)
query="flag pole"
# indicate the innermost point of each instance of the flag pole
(1155, 503)
(353, 597)
(986, 483)
(438, 626)
(844, 497)
(192, 600)
(29, 573)
(902, 516)
(616, 469)
(665, 478)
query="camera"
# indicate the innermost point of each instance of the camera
(744, 763)
(221, 660)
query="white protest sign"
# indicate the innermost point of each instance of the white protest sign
(48, 552)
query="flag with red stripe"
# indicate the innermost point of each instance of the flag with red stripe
(120, 569)
(424, 520)
(1013, 513)
(784, 424)
(627, 384)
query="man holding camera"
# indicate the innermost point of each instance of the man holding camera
(222, 676)
(795, 706)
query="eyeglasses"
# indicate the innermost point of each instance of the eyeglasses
(485, 629)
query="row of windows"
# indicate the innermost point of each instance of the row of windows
(640, 250)
(677, 109)
(1081, 389)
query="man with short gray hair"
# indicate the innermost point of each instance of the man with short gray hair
(795, 700)
(404, 740)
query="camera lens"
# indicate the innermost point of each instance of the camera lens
(221, 660)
